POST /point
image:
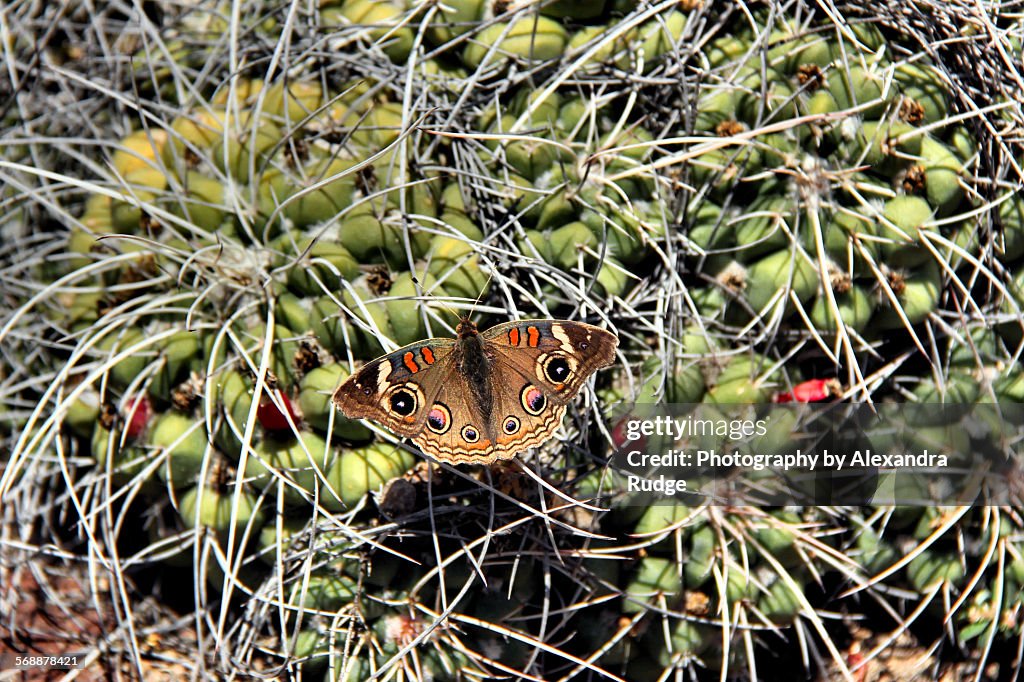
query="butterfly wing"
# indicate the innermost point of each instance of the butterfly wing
(397, 389)
(455, 430)
(537, 367)
(556, 356)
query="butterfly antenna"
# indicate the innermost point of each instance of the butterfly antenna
(483, 290)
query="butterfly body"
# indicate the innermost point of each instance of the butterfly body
(479, 397)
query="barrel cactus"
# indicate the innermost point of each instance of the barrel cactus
(216, 213)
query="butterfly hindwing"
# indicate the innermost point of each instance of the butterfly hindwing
(455, 430)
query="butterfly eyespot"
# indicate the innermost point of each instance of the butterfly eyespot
(532, 399)
(469, 434)
(439, 419)
(584, 345)
(557, 370)
(367, 391)
(403, 403)
(511, 425)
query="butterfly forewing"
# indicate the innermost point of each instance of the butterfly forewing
(557, 355)
(396, 389)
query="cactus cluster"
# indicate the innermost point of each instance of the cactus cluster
(768, 204)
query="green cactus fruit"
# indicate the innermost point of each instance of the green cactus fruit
(722, 168)
(849, 238)
(282, 354)
(655, 577)
(568, 242)
(545, 111)
(359, 472)
(1011, 218)
(628, 233)
(128, 369)
(779, 539)
(183, 443)
(297, 460)
(1010, 388)
(772, 278)
(685, 641)
(126, 458)
(943, 171)
(248, 150)
(925, 95)
(780, 425)
(588, 38)
(613, 278)
(272, 539)
(903, 219)
(323, 264)
(701, 558)
(918, 296)
(877, 554)
(726, 50)
(138, 151)
(202, 204)
(530, 38)
(715, 108)
(456, 267)
(291, 310)
(957, 393)
(963, 143)
(982, 350)
(775, 101)
(367, 320)
(780, 603)
(311, 650)
(930, 567)
(82, 413)
(329, 325)
(684, 384)
(234, 392)
(658, 36)
(207, 507)
(536, 244)
(454, 18)
(857, 86)
(452, 198)
(335, 186)
(462, 224)
(706, 229)
(363, 235)
(293, 101)
(855, 307)
(657, 518)
(766, 226)
(315, 392)
(529, 158)
(522, 197)
(177, 357)
(141, 189)
(406, 313)
(812, 49)
(325, 592)
(740, 382)
(886, 146)
(382, 24)
(816, 134)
